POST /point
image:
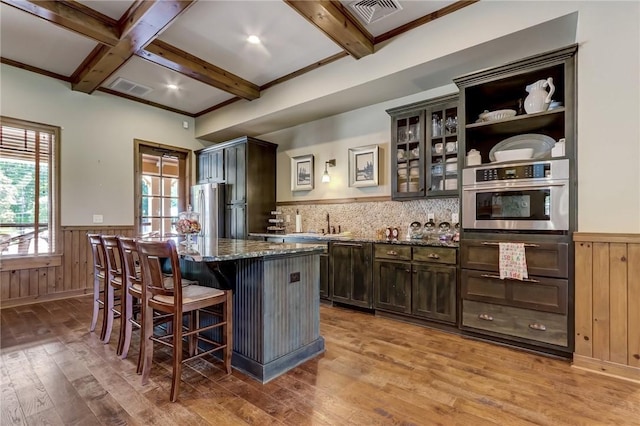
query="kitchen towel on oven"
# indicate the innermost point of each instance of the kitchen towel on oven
(513, 262)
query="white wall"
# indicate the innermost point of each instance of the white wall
(331, 138)
(608, 110)
(96, 141)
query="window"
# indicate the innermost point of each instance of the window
(162, 187)
(29, 189)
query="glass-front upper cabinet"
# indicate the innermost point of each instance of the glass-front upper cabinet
(424, 149)
(408, 154)
(443, 149)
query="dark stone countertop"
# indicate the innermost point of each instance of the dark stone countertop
(343, 237)
(223, 249)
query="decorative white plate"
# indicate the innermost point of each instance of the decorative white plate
(541, 145)
(497, 115)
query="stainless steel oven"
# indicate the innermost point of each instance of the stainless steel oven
(517, 196)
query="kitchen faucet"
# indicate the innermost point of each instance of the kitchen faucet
(328, 223)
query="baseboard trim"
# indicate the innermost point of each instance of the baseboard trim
(607, 368)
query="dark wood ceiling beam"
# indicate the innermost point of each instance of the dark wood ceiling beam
(330, 18)
(424, 19)
(141, 26)
(74, 17)
(169, 56)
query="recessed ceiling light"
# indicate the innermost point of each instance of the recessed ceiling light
(172, 86)
(253, 39)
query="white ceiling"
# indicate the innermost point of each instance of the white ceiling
(212, 30)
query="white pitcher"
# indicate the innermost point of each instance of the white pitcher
(538, 99)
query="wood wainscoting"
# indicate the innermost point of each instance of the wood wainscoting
(30, 279)
(607, 304)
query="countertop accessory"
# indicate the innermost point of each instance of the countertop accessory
(415, 231)
(188, 224)
(558, 149)
(554, 105)
(298, 221)
(497, 115)
(541, 145)
(513, 154)
(538, 99)
(474, 158)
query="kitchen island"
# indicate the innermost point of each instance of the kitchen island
(276, 302)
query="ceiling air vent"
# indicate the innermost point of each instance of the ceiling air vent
(125, 86)
(370, 11)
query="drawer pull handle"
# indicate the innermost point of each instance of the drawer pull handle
(485, 317)
(392, 253)
(497, 277)
(537, 326)
(491, 243)
(433, 256)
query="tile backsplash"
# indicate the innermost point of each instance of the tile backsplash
(363, 219)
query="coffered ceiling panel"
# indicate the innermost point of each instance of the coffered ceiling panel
(190, 95)
(200, 46)
(217, 32)
(33, 41)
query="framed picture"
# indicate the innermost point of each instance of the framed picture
(302, 173)
(363, 166)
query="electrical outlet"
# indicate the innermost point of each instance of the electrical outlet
(431, 216)
(97, 218)
(455, 218)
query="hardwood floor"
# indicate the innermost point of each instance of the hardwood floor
(375, 371)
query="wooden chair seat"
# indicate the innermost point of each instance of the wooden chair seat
(193, 294)
(181, 302)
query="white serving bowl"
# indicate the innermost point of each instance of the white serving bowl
(514, 154)
(497, 115)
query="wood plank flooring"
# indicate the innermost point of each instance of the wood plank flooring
(375, 371)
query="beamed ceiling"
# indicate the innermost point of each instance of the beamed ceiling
(135, 49)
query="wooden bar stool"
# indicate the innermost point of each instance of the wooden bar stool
(161, 295)
(99, 273)
(113, 284)
(131, 296)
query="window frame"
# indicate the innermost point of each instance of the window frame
(183, 188)
(54, 196)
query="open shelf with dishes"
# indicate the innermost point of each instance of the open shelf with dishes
(497, 106)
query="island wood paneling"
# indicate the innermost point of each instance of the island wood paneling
(26, 280)
(607, 304)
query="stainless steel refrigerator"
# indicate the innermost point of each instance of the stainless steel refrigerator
(208, 200)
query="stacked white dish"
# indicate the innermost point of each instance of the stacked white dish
(539, 144)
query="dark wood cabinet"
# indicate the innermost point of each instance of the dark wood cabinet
(417, 281)
(392, 286)
(324, 276)
(434, 292)
(351, 275)
(424, 149)
(247, 166)
(210, 167)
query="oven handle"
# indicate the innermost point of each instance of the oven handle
(497, 277)
(488, 243)
(513, 186)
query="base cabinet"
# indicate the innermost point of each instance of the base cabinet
(351, 273)
(422, 282)
(433, 293)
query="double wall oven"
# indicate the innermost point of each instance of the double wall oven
(529, 203)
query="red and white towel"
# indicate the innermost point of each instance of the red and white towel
(513, 262)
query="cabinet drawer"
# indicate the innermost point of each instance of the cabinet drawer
(392, 251)
(435, 254)
(524, 323)
(543, 259)
(538, 293)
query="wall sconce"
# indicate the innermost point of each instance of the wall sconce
(325, 176)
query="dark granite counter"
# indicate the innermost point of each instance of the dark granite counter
(341, 237)
(222, 249)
